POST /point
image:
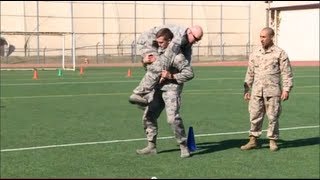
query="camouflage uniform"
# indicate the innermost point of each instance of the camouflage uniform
(265, 69)
(146, 44)
(168, 96)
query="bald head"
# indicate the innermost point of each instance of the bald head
(269, 31)
(197, 31)
(194, 33)
(266, 36)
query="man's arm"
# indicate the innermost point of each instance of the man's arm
(185, 71)
(248, 79)
(287, 75)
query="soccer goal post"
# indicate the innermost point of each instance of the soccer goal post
(42, 50)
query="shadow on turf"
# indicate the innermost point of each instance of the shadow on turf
(210, 147)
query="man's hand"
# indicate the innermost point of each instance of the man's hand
(246, 96)
(148, 59)
(165, 75)
(284, 95)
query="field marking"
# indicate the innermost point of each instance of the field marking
(64, 95)
(190, 92)
(123, 81)
(70, 82)
(142, 139)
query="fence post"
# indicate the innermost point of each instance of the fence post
(133, 52)
(97, 52)
(198, 52)
(44, 55)
(223, 51)
(247, 50)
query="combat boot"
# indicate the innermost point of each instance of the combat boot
(251, 144)
(137, 99)
(150, 149)
(273, 145)
(185, 153)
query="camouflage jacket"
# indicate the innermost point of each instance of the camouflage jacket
(182, 71)
(179, 42)
(265, 71)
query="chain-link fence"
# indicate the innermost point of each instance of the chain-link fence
(105, 32)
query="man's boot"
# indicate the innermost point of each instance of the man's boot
(273, 145)
(251, 144)
(138, 99)
(184, 150)
(150, 149)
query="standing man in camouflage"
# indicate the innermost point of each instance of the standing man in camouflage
(183, 40)
(167, 95)
(266, 67)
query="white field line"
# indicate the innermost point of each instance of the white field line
(193, 91)
(63, 95)
(142, 139)
(70, 82)
(121, 81)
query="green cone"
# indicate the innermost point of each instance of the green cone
(59, 72)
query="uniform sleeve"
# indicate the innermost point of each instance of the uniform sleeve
(146, 42)
(170, 53)
(286, 72)
(249, 74)
(185, 71)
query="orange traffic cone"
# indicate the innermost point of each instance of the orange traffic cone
(35, 74)
(81, 70)
(129, 74)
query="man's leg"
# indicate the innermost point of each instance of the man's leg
(147, 84)
(150, 124)
(257, 112)
(273, 112)
(172, 101)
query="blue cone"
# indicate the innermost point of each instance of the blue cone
(191, 143)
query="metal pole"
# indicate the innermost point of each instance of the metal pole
(0, 17)
(191, 13)
(0, 30)
(97, 52)
(103, 34)
(44, 55)
(249, 31)
(73, 49)
(0, 26)
(72, 31)
(25, 27)
(268, 14)
(38, 40)
(135, 31)
(163, 13)
(276, 26)
(63, 49)
(221, 39)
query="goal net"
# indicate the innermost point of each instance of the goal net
(41, 50)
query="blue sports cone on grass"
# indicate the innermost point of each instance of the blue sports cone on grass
(191, 143)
